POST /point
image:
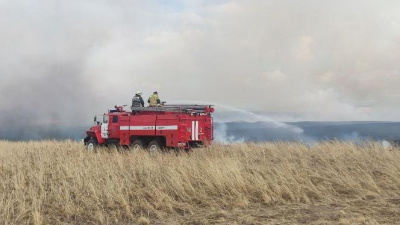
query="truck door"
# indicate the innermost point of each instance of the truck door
(104, 127)
(113, 127)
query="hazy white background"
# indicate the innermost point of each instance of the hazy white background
(63, 61)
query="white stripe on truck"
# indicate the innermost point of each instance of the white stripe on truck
(195, 130)
(124, 128)
(171, 127)
(192, 130)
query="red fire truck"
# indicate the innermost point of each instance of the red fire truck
(155, 128)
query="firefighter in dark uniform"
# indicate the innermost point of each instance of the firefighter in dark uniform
(137, 100)
(154, 101)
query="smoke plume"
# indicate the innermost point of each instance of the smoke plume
(63, 61)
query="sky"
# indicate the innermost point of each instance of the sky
(63, 61)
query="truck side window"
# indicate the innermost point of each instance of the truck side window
(115, 119)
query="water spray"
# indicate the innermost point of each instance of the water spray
(226, 115)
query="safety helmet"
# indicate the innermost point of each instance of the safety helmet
(139, 93)
(155, 92)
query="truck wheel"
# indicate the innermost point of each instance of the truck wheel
(137, 145)
(92, 145)
(154, 147)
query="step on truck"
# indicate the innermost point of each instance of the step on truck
(153, 128)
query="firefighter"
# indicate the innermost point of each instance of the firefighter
(154, 101)
(137, 100)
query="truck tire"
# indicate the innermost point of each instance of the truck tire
(92, 145)
(154, 147)
(137, 145)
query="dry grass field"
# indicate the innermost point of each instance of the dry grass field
(51, 182)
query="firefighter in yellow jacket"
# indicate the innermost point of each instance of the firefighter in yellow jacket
(154, 101)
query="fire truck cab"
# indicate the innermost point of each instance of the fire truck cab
(155, 128)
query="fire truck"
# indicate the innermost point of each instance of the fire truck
(153, 128)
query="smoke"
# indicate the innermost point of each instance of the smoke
(63, 61)
(386, 144)
(221, 134)
(326, 60)
(45, 87)
(39, 108)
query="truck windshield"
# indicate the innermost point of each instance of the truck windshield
(101, 119)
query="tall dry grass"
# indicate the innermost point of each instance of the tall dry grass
(51, 182)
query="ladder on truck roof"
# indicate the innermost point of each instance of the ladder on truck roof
(186, 108)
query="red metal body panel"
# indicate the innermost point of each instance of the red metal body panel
(95, 132)
(167, 126)
(142, 125)
(124, 120)
(171, 126)
(100, 140)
